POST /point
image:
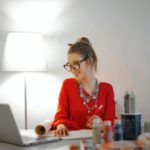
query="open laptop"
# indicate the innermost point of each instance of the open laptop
(9, 131)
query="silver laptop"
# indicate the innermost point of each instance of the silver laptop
(9, 131)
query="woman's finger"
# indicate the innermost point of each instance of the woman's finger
(58, 132)
(61, 131)
(65, 131)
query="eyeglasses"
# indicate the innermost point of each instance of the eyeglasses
(75, 66)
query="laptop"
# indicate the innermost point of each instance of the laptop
(10, 133)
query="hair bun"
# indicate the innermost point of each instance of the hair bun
(84, 40)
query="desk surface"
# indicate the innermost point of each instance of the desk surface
(64, 145)
(73, 138)
(58, 145)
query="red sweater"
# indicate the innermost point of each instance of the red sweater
(73, 113)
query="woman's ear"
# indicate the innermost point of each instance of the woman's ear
(89, 62)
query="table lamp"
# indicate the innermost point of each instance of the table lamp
(24, 52)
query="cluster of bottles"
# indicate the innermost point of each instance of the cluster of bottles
(127, 128)
(106, 132)
(130, 102)
(131, 119)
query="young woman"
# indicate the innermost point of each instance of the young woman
(83, 97)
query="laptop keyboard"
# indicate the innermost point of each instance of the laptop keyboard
(26, 138)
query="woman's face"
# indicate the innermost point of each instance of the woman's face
(78, 65)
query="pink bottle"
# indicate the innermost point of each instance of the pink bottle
(107, 131)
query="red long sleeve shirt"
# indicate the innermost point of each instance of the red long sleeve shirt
(73, 113)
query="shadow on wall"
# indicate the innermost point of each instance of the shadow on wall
(6, 76)
(11, 86)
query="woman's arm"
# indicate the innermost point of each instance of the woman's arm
(63, 110)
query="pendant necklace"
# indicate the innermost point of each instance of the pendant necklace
(93, 95)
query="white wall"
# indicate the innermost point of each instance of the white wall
(120, 33)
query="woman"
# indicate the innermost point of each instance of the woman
(83, 97)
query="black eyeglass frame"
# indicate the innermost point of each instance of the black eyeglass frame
(72, 66)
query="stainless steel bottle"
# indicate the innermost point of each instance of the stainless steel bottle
(130, 102)
(126, 101)
(96, 128)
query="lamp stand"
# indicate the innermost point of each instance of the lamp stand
(25, 102)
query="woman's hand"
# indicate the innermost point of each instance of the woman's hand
(61, 130)
(90, 120)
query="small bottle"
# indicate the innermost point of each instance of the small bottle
(132, 106)
(126, 102)
(96, 128)
(107, 132)
(118, 132)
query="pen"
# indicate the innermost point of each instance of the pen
(98, 109)
(90, 119)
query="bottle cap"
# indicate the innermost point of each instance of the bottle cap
(133, 94)
(107, 123)
(117, 121)
(96, 122)
(127, 94)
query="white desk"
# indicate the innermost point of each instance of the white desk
(74, 137)
(144, 141)
(59, 145)
(64, 145)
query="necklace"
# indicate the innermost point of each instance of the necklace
(93, 95)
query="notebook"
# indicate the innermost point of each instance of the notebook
(10, 133)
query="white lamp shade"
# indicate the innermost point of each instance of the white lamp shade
(24, 52)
